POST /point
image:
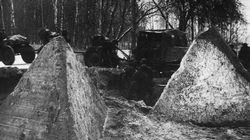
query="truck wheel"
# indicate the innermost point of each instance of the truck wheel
(7, 55)
(28, 54)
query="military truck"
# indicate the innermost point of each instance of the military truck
(162, 49)
(16, 44)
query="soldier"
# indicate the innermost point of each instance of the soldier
(146, 68)
(45, 35)
(244, 56)
(126, 78)
(106, 50)
(142, 83)
(92, 56)
(98, 40)
(110, 58)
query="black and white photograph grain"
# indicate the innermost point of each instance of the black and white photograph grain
(124, 69)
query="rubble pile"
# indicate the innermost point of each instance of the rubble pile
(129, 120)
(210, 88)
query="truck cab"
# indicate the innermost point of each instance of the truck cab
(163, 49)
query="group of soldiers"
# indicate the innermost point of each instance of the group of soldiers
(45, 35)
(103, 52)
(137, 77)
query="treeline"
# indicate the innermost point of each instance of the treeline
(116, 18)
(226, 15)
(82, 18)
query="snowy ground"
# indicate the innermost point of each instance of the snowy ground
(19, 63)
(121, 55)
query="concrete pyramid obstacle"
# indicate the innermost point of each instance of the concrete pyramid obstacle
(211, 87)
(54, 100)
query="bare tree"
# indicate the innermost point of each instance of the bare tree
(164, 15)
(147, 12)
(42, 17)
(55, 5)
(112, 18)
(123, 13)
(234, 33)
(2, 14)
(76, 23)
(12, 17)
(62, 15)
(100, 16)
(134, 16)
